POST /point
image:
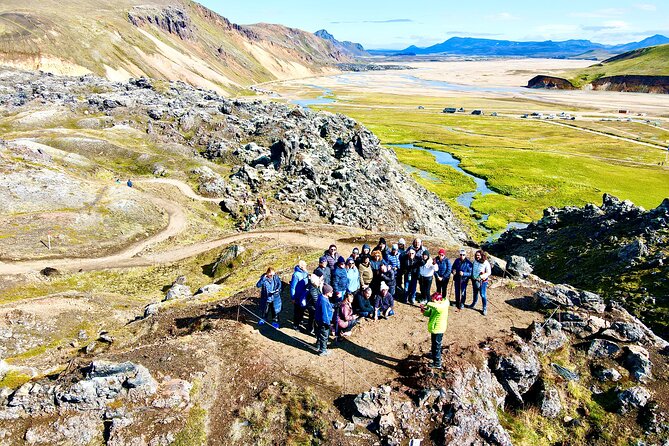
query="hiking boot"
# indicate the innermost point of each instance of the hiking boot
(485, 312)
(346, 334)
(325, 353)
(435, 366)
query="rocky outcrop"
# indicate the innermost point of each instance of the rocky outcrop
(171, 19)
(102, 399)
(550, 82)
(309, 166)
(617, 250)
(633, 84)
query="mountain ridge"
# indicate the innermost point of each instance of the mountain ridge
(574, 48)
(352, 48)
(162, 39)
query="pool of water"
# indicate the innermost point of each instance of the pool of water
(320, 100)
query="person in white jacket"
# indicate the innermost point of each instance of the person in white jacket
(427, 270)
(480, 275)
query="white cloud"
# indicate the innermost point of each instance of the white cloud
(503, 16)
(646, 6)
(600, 13)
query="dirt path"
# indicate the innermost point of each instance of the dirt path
(183, 188)
(132, 257)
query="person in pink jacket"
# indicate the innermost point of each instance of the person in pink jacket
(347, 320)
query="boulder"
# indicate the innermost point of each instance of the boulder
(226, 260)
(633, 251)
(517, 370)
(210, 289)
(607, 374)
(518, 267)
(636, 359)
(633, 398)
(374, 403)
(178, 291)
(547, 337)
(625, 332)
(601, 348)
(550, 404)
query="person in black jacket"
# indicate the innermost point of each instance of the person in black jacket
(462, 272)
(315, 289)
(388, 277)
(411, 267)
(362, 304)
(325, 270)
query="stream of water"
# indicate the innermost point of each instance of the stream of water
(320, 100)
(467, 198)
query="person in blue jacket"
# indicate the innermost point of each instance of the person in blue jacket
(340, 279)
(443, 274)
(353, 276)
(270, 297)
(462, 272)
(324, 313)
(299, 292)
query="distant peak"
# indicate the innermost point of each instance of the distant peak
(324, 34)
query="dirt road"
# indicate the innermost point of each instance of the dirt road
(132, 257)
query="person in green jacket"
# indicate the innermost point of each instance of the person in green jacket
(437, 311)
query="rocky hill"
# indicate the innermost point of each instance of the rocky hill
(347, 47)
(311, 167)
(638, 71)
(162, 39)
(617, 249)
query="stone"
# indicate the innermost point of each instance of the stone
(633, 398)
(518, 267)
(373, 403)
(210, 289)
(517, 370)
(625, 332)
(633, 251)
(608, 374)
(50, 272)
(601, 348)
(637, 360)
(226, 260)
(178, 291)
(550, 404)
(547, 337)
(151, 309)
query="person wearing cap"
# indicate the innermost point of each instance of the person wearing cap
(426, 270)
(387, 275)
(347, 319)
(443, 274)
(462, 272)
(340, 279)
(323, 316)
(315, 289)
(411, 267)
(393, 258)
(366, 252)
(356, 255)
(480, 274)
(384, 303)
(437, 312)
(366, 273)
(331, 256)
(325, 270)
(362, 304)
(270, 297)
(353, 276)
(382, 247)
(299, 290)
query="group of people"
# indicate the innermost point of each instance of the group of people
(341, 291)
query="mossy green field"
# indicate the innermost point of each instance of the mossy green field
(531, 164)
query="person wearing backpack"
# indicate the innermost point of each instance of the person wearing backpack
(437, 312)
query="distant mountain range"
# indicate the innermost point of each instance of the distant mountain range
(581, 49)
(350, 48)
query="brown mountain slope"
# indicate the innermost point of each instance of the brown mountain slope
(163, 39)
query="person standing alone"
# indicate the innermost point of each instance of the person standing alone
(437, 312)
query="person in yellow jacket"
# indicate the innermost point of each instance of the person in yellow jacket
(437, 311)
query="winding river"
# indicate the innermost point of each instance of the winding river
(467, 198)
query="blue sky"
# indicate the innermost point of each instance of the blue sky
(397, 24)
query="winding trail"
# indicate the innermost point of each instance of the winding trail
(132, 257)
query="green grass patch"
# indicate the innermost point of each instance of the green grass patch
(14, 380)
(195, 431)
